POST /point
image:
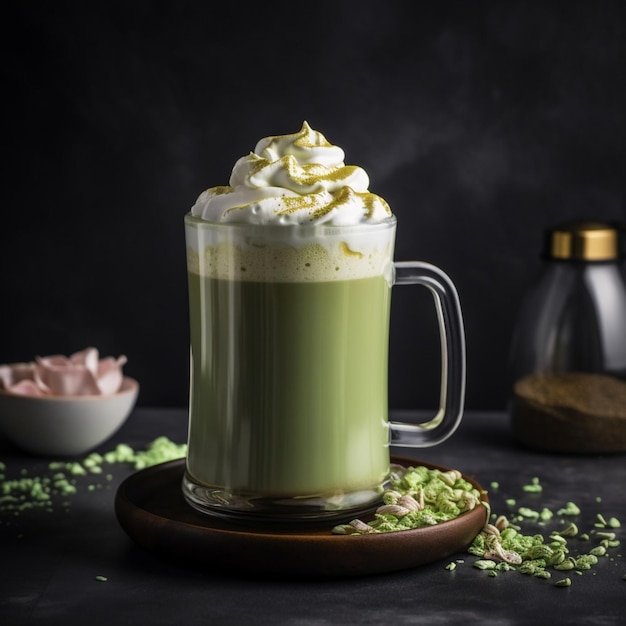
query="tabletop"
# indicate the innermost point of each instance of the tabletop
(68, 560)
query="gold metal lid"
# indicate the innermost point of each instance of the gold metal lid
(583, 240)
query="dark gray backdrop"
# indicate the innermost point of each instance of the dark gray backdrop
(481, 123)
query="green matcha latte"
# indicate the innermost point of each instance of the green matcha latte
(290, 272)
(289, 363)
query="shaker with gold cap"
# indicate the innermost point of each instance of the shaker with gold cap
(568, 354)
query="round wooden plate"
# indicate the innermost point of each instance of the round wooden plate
(151, 509)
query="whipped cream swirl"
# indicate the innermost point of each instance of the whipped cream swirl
(294, 179)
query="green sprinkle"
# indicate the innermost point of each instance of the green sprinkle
(613, 522)
(510, 502)
(569, 509)
(485, 564)
(102, 579)
(76, 469)
(530, 567)
(540, 551)
(586, 561)
(564, 582)
(570, 531)
(524, 511)
(451, 566)
(533, 487)
(605, 535)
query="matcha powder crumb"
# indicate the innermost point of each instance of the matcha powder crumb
(63, 479)
(503, 546)
(418, 497)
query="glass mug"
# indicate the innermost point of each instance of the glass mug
(289, 331)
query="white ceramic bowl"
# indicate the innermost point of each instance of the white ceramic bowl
(65, 425)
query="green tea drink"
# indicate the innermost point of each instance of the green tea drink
(290, 269)
(289, 349)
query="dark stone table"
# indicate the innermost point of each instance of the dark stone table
(75, 564)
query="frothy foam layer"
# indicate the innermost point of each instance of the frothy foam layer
(239, 252)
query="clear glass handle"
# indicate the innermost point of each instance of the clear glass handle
(451, 330)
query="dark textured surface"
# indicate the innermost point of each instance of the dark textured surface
(48, 575)
(482, 123)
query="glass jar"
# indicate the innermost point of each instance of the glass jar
(568, 354)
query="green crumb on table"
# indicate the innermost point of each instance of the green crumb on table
(451, 566)
(494, 485)
(158, 451)
(564, 582)
(570, 531)
(102, 579)
(527, 512)
(533, 487)
(76, 469)
(569, 509)
(545, 515)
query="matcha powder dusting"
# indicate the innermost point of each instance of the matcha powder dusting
(63, 479)
(561, 554)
